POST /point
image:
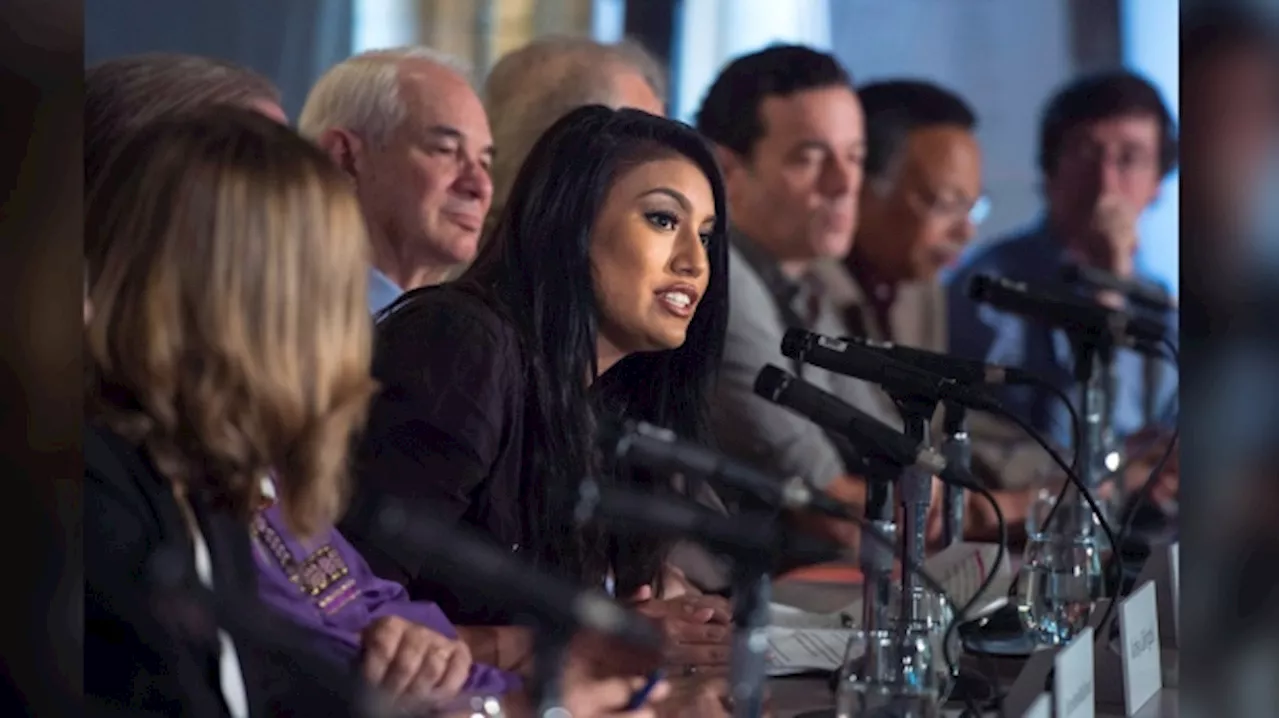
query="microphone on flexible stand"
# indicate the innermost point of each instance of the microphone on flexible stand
(899, 379)
(1087, 322)
(969, 372)
(869, 435)
(956, 444)
(874, 439)
(1137, 292)
(661, 450)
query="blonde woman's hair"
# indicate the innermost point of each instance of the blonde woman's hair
(230, 333)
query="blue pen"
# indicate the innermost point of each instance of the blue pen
(642, 695)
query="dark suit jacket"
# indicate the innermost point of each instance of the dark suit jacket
(151, 628)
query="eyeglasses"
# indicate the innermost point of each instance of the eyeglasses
(954, 207)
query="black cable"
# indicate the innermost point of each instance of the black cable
(1061, 394)
(957, 619)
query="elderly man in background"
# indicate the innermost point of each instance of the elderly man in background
(530, 88)
(407, 127)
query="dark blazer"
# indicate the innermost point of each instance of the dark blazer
(150, 627)
(446, 432)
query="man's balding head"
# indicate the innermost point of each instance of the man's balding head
(530, 88)
(127, 93)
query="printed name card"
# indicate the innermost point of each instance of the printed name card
(1073, 678)
(1140, 647)
(1042, 708)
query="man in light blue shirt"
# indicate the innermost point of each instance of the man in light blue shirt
(1106, 144)
(382, 291)
(407, 127)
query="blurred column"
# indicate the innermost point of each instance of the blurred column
(478, 31)
(709, 33)
(379, 24)
(1149, 37)
(608, 20)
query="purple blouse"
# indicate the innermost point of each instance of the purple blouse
(326, 586)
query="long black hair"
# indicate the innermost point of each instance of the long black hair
(536, 265)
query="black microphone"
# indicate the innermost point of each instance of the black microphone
(870, 435)
(750, 538)
(1074, 315)
(963, 371)
(551, 601)
(895, 377)
(661, 450)
(1141, 293)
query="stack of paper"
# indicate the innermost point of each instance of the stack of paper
(960, 569)
(793, 651)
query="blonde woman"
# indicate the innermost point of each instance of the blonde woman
(228, 338)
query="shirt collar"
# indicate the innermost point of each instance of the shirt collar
(382, 291)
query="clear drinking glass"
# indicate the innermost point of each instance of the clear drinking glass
(888, 673)
(930, 616)
(1061, 577)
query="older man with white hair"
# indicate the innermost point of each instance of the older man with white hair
(411, 132)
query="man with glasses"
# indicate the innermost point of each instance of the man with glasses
(919, 206)
(1106, 144)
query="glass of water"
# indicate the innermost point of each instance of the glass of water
(1062, 575)
(888, 673)
(929, 616)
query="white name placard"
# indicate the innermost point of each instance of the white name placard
(1073, 678)
(1140, 647)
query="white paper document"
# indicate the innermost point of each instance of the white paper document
(794, 651)
(960, 569)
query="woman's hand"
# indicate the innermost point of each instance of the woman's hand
(414, 666)
(696, 628)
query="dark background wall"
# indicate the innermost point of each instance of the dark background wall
(290, 41)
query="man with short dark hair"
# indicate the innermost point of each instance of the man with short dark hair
(1106, 143)
(919, 207)
(788, 130)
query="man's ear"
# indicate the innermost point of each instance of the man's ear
(344, 147)
(730, 162)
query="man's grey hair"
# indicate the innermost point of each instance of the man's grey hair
(532, 87)
(362, 93)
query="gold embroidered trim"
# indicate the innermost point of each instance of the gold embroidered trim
(315, 574)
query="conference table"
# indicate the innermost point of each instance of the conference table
(792, 697)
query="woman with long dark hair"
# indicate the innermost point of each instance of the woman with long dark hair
(601, 293)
